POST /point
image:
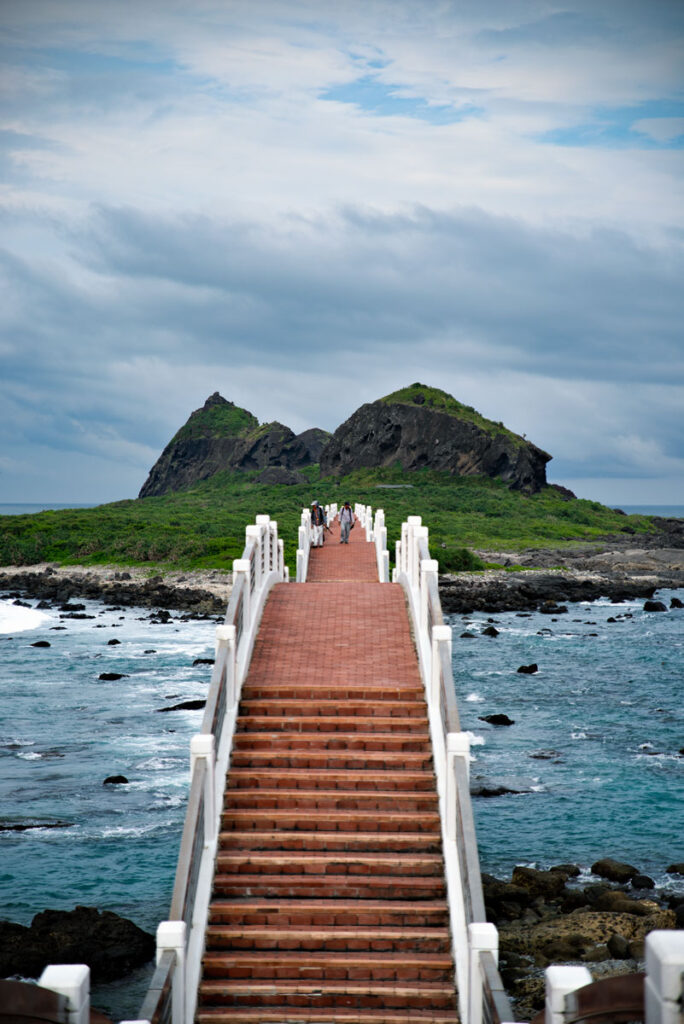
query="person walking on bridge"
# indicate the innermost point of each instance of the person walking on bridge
(346, 522)
(318, 524)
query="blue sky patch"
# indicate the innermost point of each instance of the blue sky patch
(618, 128)
(382, 100)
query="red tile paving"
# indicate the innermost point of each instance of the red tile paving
(329, 902)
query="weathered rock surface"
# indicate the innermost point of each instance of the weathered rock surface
(222, 436)
(414, 435)
(112, 946)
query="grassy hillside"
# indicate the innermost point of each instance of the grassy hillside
(204, 526)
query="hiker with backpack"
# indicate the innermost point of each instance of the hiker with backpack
(346, 522)
(317, 524)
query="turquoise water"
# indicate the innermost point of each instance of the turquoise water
(595, 745)
(63, 731)
(594, 750)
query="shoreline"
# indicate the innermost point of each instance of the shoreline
(528, 579)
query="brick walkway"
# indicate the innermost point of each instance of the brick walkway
(329, 897)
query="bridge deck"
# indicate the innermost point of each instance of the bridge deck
(329, 899)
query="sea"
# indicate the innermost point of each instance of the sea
(593, 761)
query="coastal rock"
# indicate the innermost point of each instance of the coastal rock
(547, 884)
(421, 426)
(676, 603)
(490, 631)
(614, 870)
(676, 869)
(186, 705)
(498, 719)
(112, 677)
(112, 946)
(115, 780)
(654, 606)
(528, 670)
(41, 643)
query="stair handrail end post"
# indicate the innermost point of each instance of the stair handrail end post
(72, 981)
(172, 938)
(482, 937)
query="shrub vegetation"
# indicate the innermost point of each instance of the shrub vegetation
(204, 526)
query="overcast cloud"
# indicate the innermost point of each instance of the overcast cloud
(305, 205)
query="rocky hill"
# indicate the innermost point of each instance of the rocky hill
(420, 427)
(221, 436)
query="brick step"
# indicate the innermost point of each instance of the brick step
(384, 842)
(356, 940)
(327, 914)
(316, 966)
(331, 723)
(318, 708)
(418, 741)
(328, 799)
(329, 864)
(331, 779)
(321, 1015)
(423, 995)
(320, 760)
(315, 819)
(332, 691)
(331, 887)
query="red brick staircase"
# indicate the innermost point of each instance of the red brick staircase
(329, 900)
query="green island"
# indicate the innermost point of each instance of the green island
(202, 527)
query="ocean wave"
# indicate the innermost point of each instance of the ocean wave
(474, 698)
(17, 619)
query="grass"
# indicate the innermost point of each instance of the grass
(421, 394)
(204, 526)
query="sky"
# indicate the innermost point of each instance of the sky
(307, 204)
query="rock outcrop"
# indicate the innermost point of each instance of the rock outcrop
(421, 427)
(222, 436)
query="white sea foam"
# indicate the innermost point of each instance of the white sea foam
(474, 698)
(578, 736)
(475, 740)
(29, 756)
(14, 618)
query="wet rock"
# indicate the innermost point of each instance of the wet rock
(72, 607)
(528, 670)
(115, 780)
(548, 884)
(569, 870)
(41, 643)
(490, 631)
(614, 870)
(111, 677)
(618, 947)
(498, 719)
(642, 882)
(186, 705)
(654, 606)
(468, 636)
(490, 790)
(676, 603)
(551, 608)
(113, 643)
(676, 869)
(22, 827)
(112, 946)
(203, 661)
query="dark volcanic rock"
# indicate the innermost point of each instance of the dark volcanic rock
(414, 435)
(280, 475)
(222, 436)
(528, 670)
(548, 884)
(115, 780)
(41, 643)
(111, 677)
(112, 946)
(496, 719)
(614, 870)
(654, 606)
(186, 705)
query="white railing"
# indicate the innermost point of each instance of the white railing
(475, 942)
(172, 996)
(379, 536)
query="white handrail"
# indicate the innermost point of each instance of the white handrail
(262, 566)
(475, 941)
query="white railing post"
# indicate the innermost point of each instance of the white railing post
(482, 937)
(72, 981)
(440, 635)
(203, 747)
(457, 745)
(255, 534)
(664, 984)
(171, 938)
(225, 649)
(413, 523)
(242, 566)
(427, 566)
(560, 981)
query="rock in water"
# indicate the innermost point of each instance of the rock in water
(528, 670)
(654, 606)
(497, 719)
(111, 945)
(420, 426)
(614, 870)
